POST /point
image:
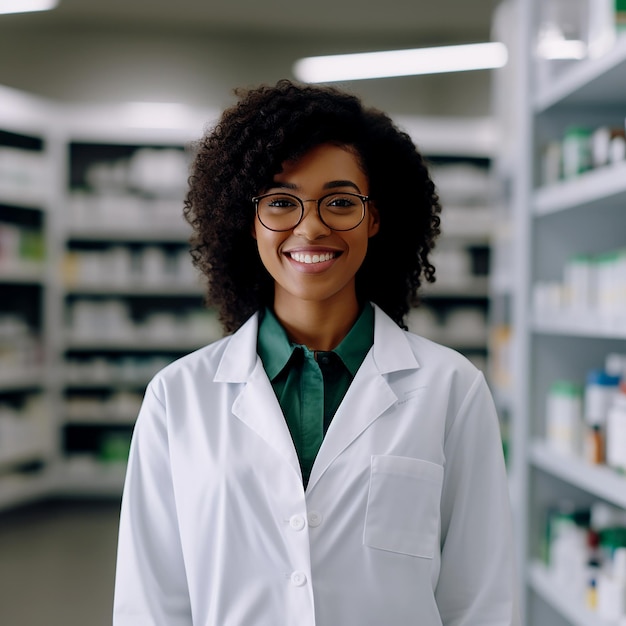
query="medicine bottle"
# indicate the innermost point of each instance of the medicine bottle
(564, 418)
(600, 390)
(616, 431)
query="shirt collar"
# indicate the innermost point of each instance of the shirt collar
(275, 349)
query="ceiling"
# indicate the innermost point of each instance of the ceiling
(440, 21)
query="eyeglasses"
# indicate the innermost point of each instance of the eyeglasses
(284, 211)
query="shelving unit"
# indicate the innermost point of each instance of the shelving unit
(553, 223)
(132, 300)
(115, 298)
(455, 310)
(28, 444)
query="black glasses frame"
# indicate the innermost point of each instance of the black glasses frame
(361, 197)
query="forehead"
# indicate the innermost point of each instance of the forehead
(325, 162)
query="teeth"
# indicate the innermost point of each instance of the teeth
(315, 258)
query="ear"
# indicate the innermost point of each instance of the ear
(253, 228)
(373, 218)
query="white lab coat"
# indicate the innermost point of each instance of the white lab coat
(405, 520)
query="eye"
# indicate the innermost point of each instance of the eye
(341, 201)
(279, 202)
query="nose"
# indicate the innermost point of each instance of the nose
(311, 226)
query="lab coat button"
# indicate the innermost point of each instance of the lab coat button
(315, 519)
(298, 579)
(296, 522)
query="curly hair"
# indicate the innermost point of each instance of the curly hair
(240, 155)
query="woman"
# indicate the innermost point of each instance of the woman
(320, 465)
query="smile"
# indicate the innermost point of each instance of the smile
(302, 257)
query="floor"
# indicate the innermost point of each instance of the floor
(57, 563)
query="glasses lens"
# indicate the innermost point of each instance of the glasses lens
(342, 211)
(279, 211)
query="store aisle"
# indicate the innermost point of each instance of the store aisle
(57, 564)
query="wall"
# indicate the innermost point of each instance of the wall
(105, 64)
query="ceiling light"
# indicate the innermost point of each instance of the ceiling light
(26, 6)
(156, 114)
(459, 58)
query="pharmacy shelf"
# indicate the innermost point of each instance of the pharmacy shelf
(472, 287)
(15, 379)
(561, 598)
(550, 225)
(102, 419)
(22, 198)
(21, 457)
(17, 490)
(24, 275)
(150, 234)
(471, 225)
(106, 383)
(148, 345)
(597, 480)
(591, 82)
(161, 290)
(591, 190)
(458, 341)
(95, 480)
(562, 323)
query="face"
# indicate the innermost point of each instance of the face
(311, 262)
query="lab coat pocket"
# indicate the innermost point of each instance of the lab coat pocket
(403, 505)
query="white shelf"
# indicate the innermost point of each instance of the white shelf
(95, 479)
(158, 234)
(104, 419)
(551, 224)
(591, 190)
(22, 457)
(16, 380)
(562, 323)
(135, 345)
(591, 82)
(23, 198)
(16, 490)
(112, 381)
(459, 341)
(562, 599)
(598, 480)
(471, 287)
(22, 275)
(468, 224)
(165, 290)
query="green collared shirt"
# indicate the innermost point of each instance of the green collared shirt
(310, 385)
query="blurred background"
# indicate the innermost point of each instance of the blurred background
(100, 103)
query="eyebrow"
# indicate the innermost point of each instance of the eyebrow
(333, 184)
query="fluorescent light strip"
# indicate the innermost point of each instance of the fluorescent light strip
(26, 6)
(460, 58)
(156, 114)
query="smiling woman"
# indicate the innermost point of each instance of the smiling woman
(320, 465)
(314, 263)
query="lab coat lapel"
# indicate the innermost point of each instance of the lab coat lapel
(370, 393)
(256, 404)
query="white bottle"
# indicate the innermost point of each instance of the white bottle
(616, 431)
(564, 422)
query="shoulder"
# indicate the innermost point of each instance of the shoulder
(395, 349)
(227, 360)
(201, 364)
(431, 353)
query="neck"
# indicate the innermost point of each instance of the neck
(317, 325)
